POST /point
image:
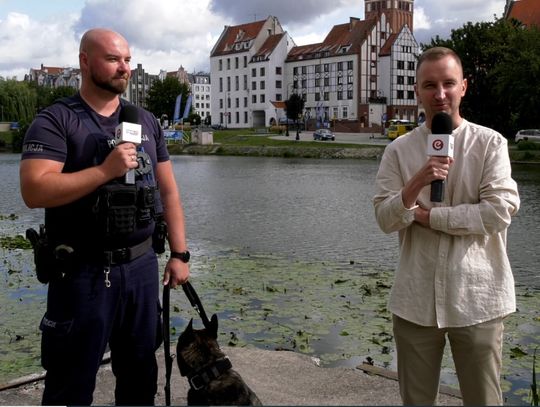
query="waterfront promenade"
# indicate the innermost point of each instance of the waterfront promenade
(278, 378)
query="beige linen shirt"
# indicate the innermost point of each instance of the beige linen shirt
(457, 272)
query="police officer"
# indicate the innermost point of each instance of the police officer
(103, 276)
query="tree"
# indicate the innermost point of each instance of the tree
(17, 101)
(294, 106)
(501, 62)
(162, 96)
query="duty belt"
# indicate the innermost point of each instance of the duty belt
(126, 254)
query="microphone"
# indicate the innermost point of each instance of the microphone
(440, 143)
(128, 131)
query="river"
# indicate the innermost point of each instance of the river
(288, 253)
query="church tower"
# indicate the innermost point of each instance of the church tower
(398, 12)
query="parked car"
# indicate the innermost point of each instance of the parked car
(218, 126)
(323, 134)
(528, 135)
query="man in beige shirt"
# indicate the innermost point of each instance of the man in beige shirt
(454, 279)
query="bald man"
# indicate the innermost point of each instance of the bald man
(102, 235)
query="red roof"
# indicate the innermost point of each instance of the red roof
(343, 39)
(526, 11)
(237, 33)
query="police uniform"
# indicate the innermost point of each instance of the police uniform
(103, 278)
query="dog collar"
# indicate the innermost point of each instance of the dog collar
(208, 373)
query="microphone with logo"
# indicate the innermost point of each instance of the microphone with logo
(441, 144)
(128, 131)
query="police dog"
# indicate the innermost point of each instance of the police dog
(211, 377)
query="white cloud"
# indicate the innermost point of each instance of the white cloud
(167, 34)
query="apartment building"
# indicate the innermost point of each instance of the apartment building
(353, 80)
(247, 72)
(200, 90)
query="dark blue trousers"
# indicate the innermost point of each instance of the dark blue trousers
(83, 316)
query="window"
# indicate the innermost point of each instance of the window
(345, 112)
(254, 98)
(278, 96)
(221, 84)
(278, 84)
(349, 64)
(262, 71)
(410, 94)
(410, 80)
(400, 80)
(262, 86)
(254, 72)
(221, 65)
(245, 117)
(237, 83)
(317, 96)
(237, 117)
(340, 95)
(236, 61)
(349, 94)
(400, 64)
(262, 98)
(245, 61)
(278, 70)
(228, 63)
(340, 66)
(228, 83)
(237, 102)
(400, 94)
(245, 102)
(411, 65)
(253, 85)
(326, 96)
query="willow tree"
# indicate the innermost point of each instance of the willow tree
(17, 101)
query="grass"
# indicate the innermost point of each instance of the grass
(248, 138)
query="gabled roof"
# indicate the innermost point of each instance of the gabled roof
(342, 39)
(526, 11)
(237, 34)
(386, 49)
(269, 45)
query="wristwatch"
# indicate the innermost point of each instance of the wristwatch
(182, 256)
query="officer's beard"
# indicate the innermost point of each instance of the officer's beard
(115, 85)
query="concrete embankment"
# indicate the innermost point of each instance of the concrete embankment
(279, 151)
(278, 378)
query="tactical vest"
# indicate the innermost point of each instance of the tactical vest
(117, 214)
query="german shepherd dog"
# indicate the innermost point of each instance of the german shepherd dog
(211, 377)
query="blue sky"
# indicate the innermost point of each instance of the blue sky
(173, 33)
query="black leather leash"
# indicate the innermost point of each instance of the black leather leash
(193, 298)
(167, 343)
(195, 301)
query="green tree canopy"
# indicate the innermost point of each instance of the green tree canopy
(162, 95)
(501, 61)
(17, 101)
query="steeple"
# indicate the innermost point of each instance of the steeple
(398, 12)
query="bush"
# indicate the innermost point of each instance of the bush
(528, 145)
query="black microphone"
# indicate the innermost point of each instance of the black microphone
(129, 130)
(440, 143)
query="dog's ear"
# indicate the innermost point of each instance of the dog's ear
(213, 328)
(188, 332)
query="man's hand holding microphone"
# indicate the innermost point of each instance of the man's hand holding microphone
(122, 161)
(440, 149)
